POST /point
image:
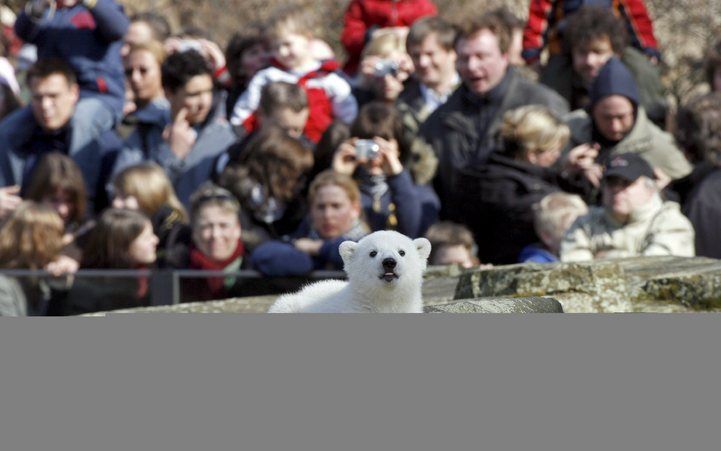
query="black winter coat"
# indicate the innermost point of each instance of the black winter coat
(703, 209)
(498, 199)
(462, 131)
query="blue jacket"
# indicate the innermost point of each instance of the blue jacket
(281, 259)
(535, 253)
(89, 40)
(22, 141)
(214, 137)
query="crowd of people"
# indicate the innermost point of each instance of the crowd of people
(127, 145)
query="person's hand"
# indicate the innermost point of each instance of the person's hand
(9, 200)
(582, 159)
(309, 246)
(345, 160)
(594, 174)
(582, 156)
(62, 265)
(390, 156)
(662, 179)
(212, 53)
(180, 135)
(405, 65)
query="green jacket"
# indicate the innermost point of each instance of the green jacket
(653, 144)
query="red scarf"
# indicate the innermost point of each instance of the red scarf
(143, 283)
(199, 260)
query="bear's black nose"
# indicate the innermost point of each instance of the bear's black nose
(389, 263)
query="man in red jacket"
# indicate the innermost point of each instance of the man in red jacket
(363, 17)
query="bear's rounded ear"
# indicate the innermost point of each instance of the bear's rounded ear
(346, 249)
(423, 246)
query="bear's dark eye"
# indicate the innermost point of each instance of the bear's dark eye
(373, 254)
(402, 252)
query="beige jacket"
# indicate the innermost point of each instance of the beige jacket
(659, 228)
(646, 139)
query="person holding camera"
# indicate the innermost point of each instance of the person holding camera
(377, 156)
(384, 70)
(363, 20)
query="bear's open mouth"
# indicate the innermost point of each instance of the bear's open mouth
(389, 276)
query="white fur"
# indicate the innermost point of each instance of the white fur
(365, 290)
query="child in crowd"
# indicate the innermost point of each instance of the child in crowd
(384, 70)
(366, 19)
(283, 105)
(290, 34)
(552, 217)
(88, 35)
(452, 243)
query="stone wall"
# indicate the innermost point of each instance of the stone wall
(658, 284)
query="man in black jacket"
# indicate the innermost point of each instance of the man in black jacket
(462, 130)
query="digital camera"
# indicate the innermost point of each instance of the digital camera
(367, 149)
(386, 67)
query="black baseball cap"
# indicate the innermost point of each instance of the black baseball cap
(628, 166)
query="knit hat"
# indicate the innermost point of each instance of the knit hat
(614, 79)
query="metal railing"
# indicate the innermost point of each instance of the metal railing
(166, 287)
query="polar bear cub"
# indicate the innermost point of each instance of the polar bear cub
(385, 274)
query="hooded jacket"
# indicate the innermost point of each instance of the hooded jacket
(559, 75)
(644, 138)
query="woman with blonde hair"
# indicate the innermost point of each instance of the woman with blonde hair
(335, 216)
(385, 66)
(145, 187)
(30, 238)
(142, 67)
(518, 174)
